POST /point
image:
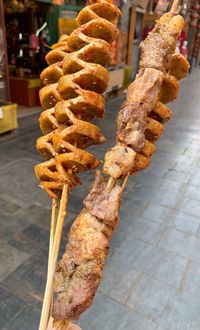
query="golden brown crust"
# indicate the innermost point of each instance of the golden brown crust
(179, 66)
(169, 90)
(141, 162)
(161, 113)
(74, 80)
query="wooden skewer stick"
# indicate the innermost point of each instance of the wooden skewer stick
(111, 183)
(174, 7)
(60, 324)
(53, 260)
(125, 180)
(54, 214)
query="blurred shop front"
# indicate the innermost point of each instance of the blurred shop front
(28, 28)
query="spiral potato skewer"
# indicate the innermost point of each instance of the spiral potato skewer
(74, 80)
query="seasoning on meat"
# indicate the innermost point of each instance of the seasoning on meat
(132, 118)
(79, 272)
(119, 160)
(159, 46)
(101, 202)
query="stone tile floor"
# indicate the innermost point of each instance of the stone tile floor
(152, 276)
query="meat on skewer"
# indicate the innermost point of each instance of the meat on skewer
(139, 125)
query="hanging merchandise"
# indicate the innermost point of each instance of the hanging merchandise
(195, 6)
(194, 14)
(34, 42)
(182, 44)
(184, 49)
(193, 34)
(194, 19)
(196, 47)
(183, 37)
(178, 47)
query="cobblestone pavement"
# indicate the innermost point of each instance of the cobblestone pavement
(151, 279)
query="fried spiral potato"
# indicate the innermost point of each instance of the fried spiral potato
(74, 80)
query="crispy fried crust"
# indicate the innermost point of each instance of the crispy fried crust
(74, 80)
(179, 66)
(161, 113)
(169, 90)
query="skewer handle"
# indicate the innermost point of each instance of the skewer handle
(53, 260)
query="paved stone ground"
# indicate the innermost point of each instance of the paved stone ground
(151, 279)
